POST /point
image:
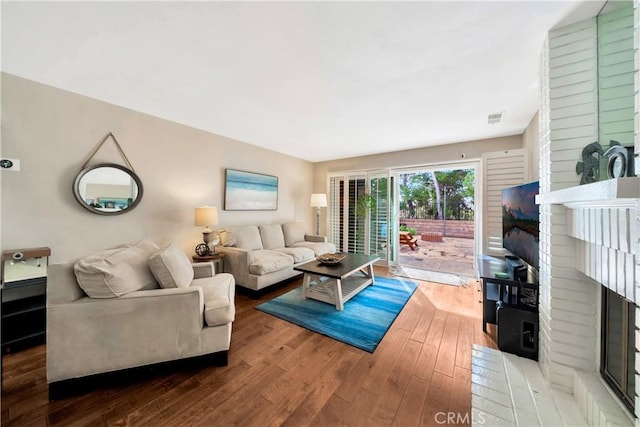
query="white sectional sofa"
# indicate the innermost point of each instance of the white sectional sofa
(264, 255)
(133, 306)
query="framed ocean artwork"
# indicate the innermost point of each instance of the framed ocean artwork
(248, 191)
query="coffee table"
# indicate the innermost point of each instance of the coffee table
(337, 283)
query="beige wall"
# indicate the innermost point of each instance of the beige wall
(462, 152)
(53, 132)
(1, 174)
(531, 141)
(465, 152)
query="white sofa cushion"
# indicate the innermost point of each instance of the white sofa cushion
(267, 261)
(318, 248)
(171, 267)
(117, 271)
(218, 294)
(299, 254)
(272, 236)
(248, 237)
(293, 232)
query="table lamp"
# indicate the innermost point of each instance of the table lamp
(206, 216)
(318, 200)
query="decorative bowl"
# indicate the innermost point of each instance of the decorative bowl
(330, 258)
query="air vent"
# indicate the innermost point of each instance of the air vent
(494, 118)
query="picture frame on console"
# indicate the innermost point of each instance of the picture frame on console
(249, 191)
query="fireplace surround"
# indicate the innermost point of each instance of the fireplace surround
(590, 242)
(589, 234)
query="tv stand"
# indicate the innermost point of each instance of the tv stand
(516, 269)
(511, 303)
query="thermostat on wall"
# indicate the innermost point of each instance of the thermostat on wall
(10, 164)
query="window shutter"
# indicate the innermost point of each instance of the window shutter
(499, 170)
(356, 223)
(378, 228)
(336, 211)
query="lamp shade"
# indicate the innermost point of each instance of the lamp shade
(318, 200)
(206, 216)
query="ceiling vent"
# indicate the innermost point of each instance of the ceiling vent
(494, 118)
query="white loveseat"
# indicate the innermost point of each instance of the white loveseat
(261, 256)
(132, 306)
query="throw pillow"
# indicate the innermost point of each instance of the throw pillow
(248, 237)
(293, 232)
(171, 267)
(115, 272)
(227, 238)
(272, 236)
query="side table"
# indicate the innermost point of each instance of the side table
(23, 294)
(216, 257)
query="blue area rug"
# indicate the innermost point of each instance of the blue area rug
(364, 320)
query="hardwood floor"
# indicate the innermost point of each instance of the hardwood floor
(282, 374)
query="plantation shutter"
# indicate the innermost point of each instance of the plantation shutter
(499, 170)
(354, 220)
(347, 228)
(356, 230)
(336, 211)
(378, 227)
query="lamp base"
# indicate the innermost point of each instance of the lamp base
(317, 221)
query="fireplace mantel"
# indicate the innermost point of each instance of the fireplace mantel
(603, 218)
(611, 193)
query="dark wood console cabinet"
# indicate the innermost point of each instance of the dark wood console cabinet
(510, 304)
(516, 294)
(23, 297)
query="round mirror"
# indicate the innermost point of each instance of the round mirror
(107, 189)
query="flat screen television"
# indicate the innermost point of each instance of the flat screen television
(521, 222)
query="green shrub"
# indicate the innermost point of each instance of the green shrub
(411, 230)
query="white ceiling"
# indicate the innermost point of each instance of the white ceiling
(315, 80)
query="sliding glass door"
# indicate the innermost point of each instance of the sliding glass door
(367, 208)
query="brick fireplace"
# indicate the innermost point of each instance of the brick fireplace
(589, 234)
(590, 240)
